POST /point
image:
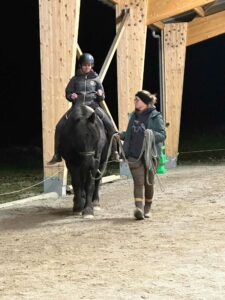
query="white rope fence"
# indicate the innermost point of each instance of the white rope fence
(181, 152)
(29, 187)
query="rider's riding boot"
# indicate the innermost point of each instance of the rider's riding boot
(55, 159)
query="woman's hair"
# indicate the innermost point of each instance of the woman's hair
(147, 97)
(151, 96)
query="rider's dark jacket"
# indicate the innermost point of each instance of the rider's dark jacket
(85, 86)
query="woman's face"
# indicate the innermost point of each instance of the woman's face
(86, 68)
(139, 104)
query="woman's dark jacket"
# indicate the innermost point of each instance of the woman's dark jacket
(155, 123)
(85, 86)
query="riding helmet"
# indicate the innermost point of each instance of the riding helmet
(86, 58)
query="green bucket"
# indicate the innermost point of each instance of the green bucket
(161, 167)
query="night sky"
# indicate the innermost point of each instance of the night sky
(204, 85)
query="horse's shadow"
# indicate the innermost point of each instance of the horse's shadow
(25, 218)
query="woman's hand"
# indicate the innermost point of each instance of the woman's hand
(99, 93)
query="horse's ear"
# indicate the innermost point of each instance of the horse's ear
(91, 118)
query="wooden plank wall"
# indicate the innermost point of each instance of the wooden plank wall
(130, 57)
(58, 37)
(174, 40)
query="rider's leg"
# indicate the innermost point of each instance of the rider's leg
(57, 156)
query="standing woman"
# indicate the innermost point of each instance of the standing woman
(144, 121)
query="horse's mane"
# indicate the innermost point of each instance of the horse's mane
(82, 111)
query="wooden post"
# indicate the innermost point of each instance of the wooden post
(130, 57)
(58, 37)
(174, 42)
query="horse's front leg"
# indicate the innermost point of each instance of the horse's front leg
(88, 211)
(98, 174)
(79, 197)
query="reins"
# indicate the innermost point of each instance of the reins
(88, 153)
(102, 172)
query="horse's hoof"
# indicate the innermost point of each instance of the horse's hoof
(95, 203)
(97, 208)
(88, 217)
(77, 214)
(88, 213)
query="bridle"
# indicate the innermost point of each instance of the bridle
(87, 153)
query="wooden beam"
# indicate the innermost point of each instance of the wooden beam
(114, 46)
(115, 2)
(130, 57)
(159, 25)
(57, 61)
(79, 52)
(201, 29)
(174, 41)
(110, 56)
(160, 10)
(200, 11)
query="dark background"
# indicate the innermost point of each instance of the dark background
(20, 123)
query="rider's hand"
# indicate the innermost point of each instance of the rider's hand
(99, 93)
(74, 96)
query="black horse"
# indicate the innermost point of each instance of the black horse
(84, 147)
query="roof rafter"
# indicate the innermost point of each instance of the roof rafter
(159, 10)
(110, 2)
(159, 25)
(200, 11)
(201, 29)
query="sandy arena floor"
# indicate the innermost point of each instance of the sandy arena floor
(47, 253)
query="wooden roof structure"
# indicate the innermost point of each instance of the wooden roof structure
(205, 18)
(181, 23)
(204, 21)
